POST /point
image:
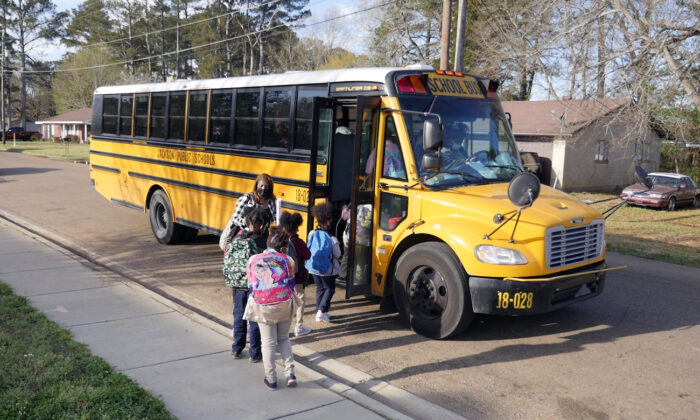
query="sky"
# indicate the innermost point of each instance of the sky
(320, 9)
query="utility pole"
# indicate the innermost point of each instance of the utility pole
(445, 36)
(2, 75)
(461, 27)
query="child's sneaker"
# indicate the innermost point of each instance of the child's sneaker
(292, 381)
(301, 330)
(326, 317)
(270, 385)
(319, 316)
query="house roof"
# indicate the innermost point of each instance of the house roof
(553, 118)
(77, 116)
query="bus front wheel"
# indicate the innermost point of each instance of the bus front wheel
(430, 290)
(163, 226)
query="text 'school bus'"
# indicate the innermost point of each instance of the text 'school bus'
(424, 158)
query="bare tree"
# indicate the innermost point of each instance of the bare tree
(34, 21)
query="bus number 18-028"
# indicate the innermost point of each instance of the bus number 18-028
(519, 300)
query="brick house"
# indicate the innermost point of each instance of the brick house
(587, 142)
(76, 123)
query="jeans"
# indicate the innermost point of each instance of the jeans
(274, 335)
(300, 294)
(325, 289)
(240, 326)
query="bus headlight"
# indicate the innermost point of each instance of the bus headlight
(490, 254)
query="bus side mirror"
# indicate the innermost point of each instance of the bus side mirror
(433, 135)
(431, 162)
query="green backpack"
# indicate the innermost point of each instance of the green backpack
(236, 262)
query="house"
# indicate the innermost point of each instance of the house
(76, 123)
(590, 145)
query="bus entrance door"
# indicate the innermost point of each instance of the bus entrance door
(362, 198)
(320, 163)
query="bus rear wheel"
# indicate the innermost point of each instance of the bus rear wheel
(431, 292)
(160, 214)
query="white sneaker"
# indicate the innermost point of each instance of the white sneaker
(319, 316)
(326, 317)
(301, 330)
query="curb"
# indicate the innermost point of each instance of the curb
(378, 396)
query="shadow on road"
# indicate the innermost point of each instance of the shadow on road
(24, 171)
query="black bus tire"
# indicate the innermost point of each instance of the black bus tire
(431, 291)
(160, 214)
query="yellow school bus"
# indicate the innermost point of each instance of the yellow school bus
(445, 221)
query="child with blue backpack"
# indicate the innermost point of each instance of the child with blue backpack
(324, 264)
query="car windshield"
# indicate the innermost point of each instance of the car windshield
(478, 147)
(664, 180)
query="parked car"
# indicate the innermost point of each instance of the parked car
(668, 190)
(19, 134)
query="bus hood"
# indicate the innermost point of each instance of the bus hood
(480, 203)
(467, 217)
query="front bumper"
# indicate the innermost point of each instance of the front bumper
(511, 296)
(648, 202)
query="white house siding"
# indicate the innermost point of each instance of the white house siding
(581, 172)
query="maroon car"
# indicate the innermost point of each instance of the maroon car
(668, 191)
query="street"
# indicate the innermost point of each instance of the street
(633, 352)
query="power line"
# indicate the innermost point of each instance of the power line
(129, 38)
(190, 49)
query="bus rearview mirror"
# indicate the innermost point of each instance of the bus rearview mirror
(433, 135)
(431, 162)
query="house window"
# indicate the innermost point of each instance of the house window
(601, 151)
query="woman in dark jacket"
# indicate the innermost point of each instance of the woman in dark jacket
(262, 196)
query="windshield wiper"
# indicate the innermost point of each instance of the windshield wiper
(464, 176)
(504, 166)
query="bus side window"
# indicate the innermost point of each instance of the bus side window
(247, 123)
(141, 116)
(125, 110)
(392, 166)
(304, 115)
(110, 114)
(176, 116)
(393, 209)
(276, 116)
(197, 116)
(157, 126)
(368, 146)
(220, 116)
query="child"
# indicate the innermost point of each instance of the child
(323, 264)
(271, 282)
(247, 243)
(291, 222)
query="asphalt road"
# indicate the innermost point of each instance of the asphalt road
(633, 352)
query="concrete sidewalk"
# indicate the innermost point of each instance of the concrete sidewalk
(160, 346)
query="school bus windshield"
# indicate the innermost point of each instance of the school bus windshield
(478, 147)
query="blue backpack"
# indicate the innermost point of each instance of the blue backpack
(321, 247)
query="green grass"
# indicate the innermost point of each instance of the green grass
(44, 374)
(671, 236)
(68, 151)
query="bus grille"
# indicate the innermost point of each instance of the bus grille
(567, 246)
